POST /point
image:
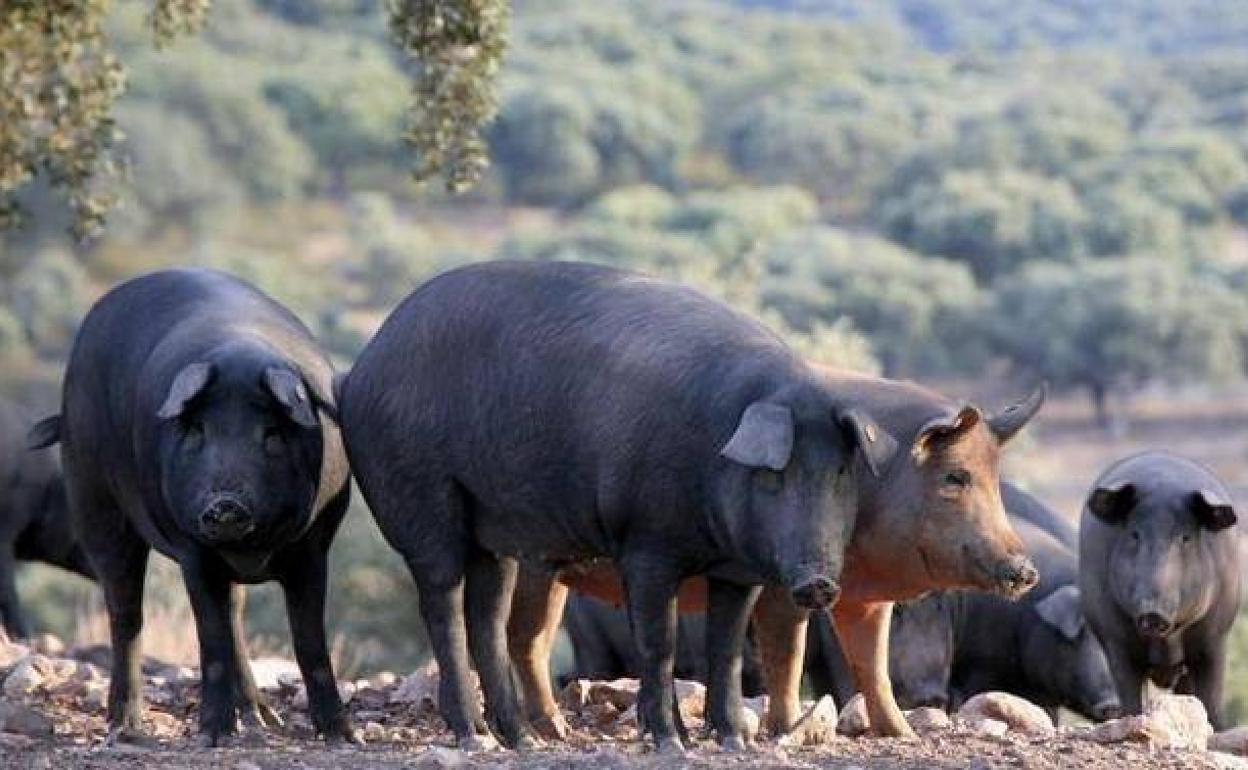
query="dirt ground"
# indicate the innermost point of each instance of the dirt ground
(415, 739)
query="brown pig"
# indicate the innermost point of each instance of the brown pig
(932, 520)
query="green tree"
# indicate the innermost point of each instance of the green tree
(1111, 325)
(59, 79)
(916, 311)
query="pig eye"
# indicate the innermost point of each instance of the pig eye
(274, 441)
(958, 478)
(769, 480)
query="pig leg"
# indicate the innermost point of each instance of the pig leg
(536, 607)
(781, 628)
(10, 608)
(209, 591)
(650, 590)
(863, 631)
(727, 620)
(119, 557)
(1207, 671)
(304, 586)
(488, 588)
(1128, 677)
(250, 704)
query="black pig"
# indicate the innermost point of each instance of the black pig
(34, 520)
(1160, 575)
(197, 420)
(562, 412)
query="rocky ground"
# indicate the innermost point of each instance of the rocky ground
(52, 702)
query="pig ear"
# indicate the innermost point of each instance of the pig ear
(1112, 503)
(764, 437)
(1062, 610)
(1011, 420)
(877, 445)
(44, 433)
(944, 428)
(1213, 510)
(290, 391)
(188, 384)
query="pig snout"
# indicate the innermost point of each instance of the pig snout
(1106, 710)
(1015, 575)
(226, 519)
(816, 593)
(1153, 625)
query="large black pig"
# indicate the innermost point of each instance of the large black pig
(197, 420)
(1160, 575)
(562, 412)
(34, 520)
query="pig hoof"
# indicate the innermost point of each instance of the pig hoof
(476, 743)
(733, 743)
(123, 733)
(552, 727)
(213, 740)
(528, 743)
(671, 747)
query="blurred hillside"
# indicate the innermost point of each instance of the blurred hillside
(982, 193)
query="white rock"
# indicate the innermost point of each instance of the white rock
(372, 732)
(815, 727)
(992, 728)
(1019, 714)
(419, 687)
(268, 671)
(437, 758)
(95, 695)
(1170, 721)
(853, 720)
(928, 720)
(48, 644)
(27, 676)
(384, 679)
(11, 653)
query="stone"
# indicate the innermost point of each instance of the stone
(1169, 721)
(928, 720)
(372, 732)
(11, 653)
(419, 687)
(95, 695)
(690, 698)
(575, 695)
(853, 720)
(989, 728)
(87, 672)
(438, 757)
(30, 673)
(755, 712)
(817, 726)
(267, 671)
(1019, 714)
(384, 679)
(1233, 741)
(621, 693)
(23, 720)
(47, 644)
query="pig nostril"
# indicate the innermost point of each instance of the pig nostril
(1152, 624)
(816, 594)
